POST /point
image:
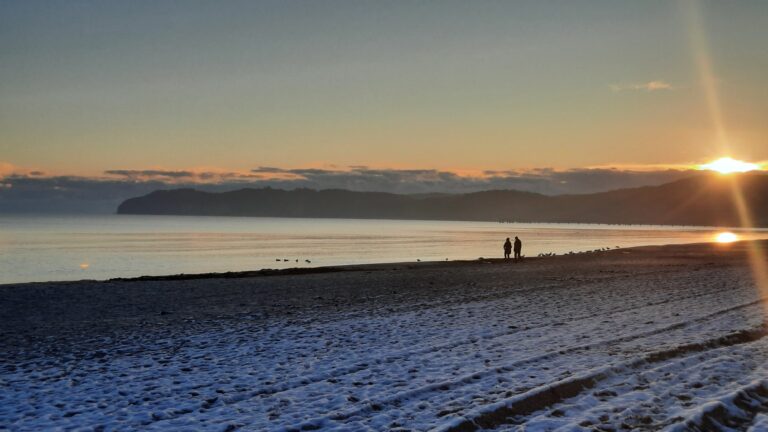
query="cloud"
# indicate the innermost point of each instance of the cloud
(649, 86)
(180, 176)
(143, 174)
(36, 193)
(9, 169)
(543, 180)
(268, 170)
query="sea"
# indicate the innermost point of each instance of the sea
(38, 248)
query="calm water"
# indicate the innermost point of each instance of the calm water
(43, 248)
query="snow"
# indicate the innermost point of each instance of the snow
(658, 351)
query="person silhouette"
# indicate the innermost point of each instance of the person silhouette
(507, 248)
(518, 248)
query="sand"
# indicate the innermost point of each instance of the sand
(69, 309)
(459, 343)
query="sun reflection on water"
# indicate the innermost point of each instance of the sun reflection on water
(726, 237)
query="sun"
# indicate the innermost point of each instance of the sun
(726, 237)
(727, 165)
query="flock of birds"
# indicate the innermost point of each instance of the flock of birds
(286, 260)
(602, 249)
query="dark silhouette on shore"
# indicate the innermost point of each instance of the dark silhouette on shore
(705, 200)
(507, 248)
(518, 249)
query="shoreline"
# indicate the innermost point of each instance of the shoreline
(108, 248)
(293, 271)
(163, 298)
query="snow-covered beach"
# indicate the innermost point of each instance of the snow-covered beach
(646, 338)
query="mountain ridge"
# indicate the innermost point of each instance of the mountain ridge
(706, 200)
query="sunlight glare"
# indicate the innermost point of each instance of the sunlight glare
(726, 237)
(727, 165)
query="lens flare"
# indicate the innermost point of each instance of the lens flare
(755, 252)
(727, 165)
(726, 237)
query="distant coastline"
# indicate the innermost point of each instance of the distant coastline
(705, 200)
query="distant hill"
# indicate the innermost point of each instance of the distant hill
(705, 199)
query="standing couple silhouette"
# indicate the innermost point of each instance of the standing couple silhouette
(508, 248)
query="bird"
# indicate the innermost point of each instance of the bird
(308, 261)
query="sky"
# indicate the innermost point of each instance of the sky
(115, 90)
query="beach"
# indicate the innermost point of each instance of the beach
(651, 337)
